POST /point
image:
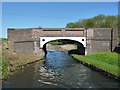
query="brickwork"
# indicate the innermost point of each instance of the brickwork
(101, 40)
(26, 40)
(24, 48)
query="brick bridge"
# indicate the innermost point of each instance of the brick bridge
(32, 41)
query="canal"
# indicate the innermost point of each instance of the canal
(58, 71)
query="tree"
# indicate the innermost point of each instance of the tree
(111, 21)
(87, 23)
(70, 25)
(99, 21)
(78, 24)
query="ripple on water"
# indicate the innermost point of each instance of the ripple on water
(49, 83)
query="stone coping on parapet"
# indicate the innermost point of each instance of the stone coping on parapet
(56, 28)
(48, 28)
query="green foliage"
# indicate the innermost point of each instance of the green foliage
(106, 61)
(87, 23)
(3, 40)
(5, 70)
(99, 21)
(57, 42)
(74, 25)
(5, 64)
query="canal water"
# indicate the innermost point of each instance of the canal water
(58, 71)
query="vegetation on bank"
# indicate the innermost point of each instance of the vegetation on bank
(4, 60)
(5, 66)
(107, 61)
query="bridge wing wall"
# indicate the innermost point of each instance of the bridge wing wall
(21, 41)
(101, 40)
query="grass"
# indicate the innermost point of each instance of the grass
(5, 69)
(106, 61)
(110, 58)
(4, 62)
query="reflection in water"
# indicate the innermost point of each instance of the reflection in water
(59, 70)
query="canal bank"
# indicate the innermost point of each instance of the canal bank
(106, 63)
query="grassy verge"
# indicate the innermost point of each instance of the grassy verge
(106, 61)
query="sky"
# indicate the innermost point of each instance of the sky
(60, 0)
(51, 14)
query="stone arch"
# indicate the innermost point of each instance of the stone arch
(80, 41)
(44, 40)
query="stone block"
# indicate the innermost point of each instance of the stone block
(24, 48)
(98, 46)
(102, 33)
(22, 35)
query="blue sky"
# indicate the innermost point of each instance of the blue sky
(51, 14)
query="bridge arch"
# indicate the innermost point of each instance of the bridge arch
(44, 40)
(80, 41)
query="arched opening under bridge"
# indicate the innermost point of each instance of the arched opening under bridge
(80, 42)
